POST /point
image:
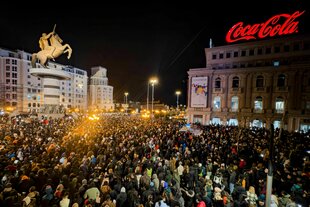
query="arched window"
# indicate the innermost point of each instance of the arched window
(258, 104)
(235, 82)
(260, 81)
(29, 104)
(234, 103)
(217, 102)
(281, 80)
(217, 83)
(279, 104)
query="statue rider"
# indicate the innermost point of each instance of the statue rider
(45, 44)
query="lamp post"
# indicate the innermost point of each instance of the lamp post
(147, 97)
(178, 93)
(126, 94)
(153, 81)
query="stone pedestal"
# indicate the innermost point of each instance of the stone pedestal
(51, 86)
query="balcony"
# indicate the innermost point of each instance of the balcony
(216, 109)
(234, 110)
(258, 111)
(282, 89)
(279, 111)
(236, 90)
(218, 90)
(260, 89)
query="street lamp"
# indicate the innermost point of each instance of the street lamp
(153, 81)
(147, 97)
(178, 93)
(126, 94)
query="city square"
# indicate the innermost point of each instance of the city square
(156, 106)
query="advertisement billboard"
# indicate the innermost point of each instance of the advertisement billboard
(199, 91)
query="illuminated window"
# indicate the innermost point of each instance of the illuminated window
(234, 103)
(217, 102)
(258, 104)
(277, 124)
(276, 63)
(279, 105)
(308, 105)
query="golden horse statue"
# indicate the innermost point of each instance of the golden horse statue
(51, 47)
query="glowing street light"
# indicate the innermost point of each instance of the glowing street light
(153, 81)
(178, 93)
(126, 94)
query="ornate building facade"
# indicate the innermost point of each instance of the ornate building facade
(253, 84)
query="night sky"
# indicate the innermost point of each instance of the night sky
(136, 41)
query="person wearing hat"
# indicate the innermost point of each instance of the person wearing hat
(121, 198)
(24, 184)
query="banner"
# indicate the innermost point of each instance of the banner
(199, 91)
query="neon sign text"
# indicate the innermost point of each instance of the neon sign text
(270, 28)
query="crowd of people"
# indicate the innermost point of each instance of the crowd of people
(126, 161)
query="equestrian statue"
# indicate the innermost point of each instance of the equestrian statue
(51, 48)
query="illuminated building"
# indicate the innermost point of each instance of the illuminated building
(25, 92)
(100, 93)
(254, 83)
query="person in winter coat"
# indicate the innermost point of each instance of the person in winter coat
(48, 196)
(121, 198)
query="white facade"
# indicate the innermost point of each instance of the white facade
(24, 92)
(100, 93)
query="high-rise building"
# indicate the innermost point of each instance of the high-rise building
(22, 92)
(100, 93)
(253, 84)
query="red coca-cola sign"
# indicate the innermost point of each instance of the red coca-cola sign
(281, 24)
